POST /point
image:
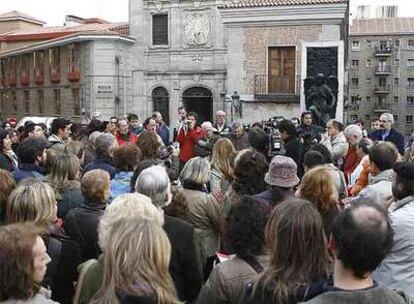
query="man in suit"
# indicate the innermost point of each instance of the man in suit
(387, 133)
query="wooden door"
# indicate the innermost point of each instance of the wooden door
(281, 70)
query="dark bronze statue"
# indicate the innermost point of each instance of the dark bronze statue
(320, 97)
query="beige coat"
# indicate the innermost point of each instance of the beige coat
(227, 281)
(205, 217)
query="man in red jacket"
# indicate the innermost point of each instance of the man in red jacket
(123, 135)
(188, 137)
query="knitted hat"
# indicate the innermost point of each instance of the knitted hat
(282, 172)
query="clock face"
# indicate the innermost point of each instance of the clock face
(197, 29)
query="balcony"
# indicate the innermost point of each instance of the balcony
(12, 81)
(382, 106)
(55, 75)
(382, 89)
(25, 79)
(74, 76)
(381, 69)
(383, 51)
(39, 77)
(276, 89)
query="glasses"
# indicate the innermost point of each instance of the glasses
(383, 120)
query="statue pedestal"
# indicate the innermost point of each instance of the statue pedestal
(326, 58)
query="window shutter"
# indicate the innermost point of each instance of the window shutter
(160, 29)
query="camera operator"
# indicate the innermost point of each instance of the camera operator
(291, 143)
(187, 137)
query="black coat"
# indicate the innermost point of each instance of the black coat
(185, 266)
(395, 137)
(62, 270)
(294, 150)
(69, 199)
(81, 224)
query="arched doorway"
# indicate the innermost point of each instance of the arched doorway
(199, 100)
(161, 103)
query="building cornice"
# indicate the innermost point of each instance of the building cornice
(290, 15)
(65, 41)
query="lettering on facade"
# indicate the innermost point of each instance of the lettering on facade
(104, 94)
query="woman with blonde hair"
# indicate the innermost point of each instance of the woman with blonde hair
(64, 178)
(136, 265)
(318, 188)
(221, 169)
(34, 201)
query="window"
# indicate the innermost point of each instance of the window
(40, 101)
(368, 80)
(383, 45)
(74, 57)
(24, 67)
(410, 83)
(396, 61)
(3, 102)
(281, 70)
(160, 102)
(410, 44)
(26, 101)
(368, 63)
(396, 99)
(38, 64)
(354, 117)
(76, 101)
(367, 117)
(354, 82)
(396, 81)
(160, 29)
(410, 62)
(368, 98)
(395, 118)
(369, 43)
(382, 81)
(354, 99)
(54, 57)
(409, 119)
(355, 45)
(57, 101)
(410, 101)
(397, 43)
(355, 63)
(14, 101)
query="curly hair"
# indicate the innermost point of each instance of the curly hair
(7, 184)
(244, 228)
(179, 205)
(17, 261)
(149, 144)
(250, 169)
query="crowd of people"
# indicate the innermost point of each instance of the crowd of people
(129, 212)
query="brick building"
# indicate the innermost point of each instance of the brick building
(62, 70)
(269, 48)
(381, 72)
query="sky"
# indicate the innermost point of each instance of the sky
(53, 11)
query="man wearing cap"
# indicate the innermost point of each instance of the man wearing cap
(397, 269)
(282, 178)
(220, 127)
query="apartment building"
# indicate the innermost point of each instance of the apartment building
(67, 71)
(381, 71)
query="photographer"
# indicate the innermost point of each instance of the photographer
(188, 137)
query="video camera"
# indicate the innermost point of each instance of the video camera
(275, 142)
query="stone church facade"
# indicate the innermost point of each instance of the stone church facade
(179, 57)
